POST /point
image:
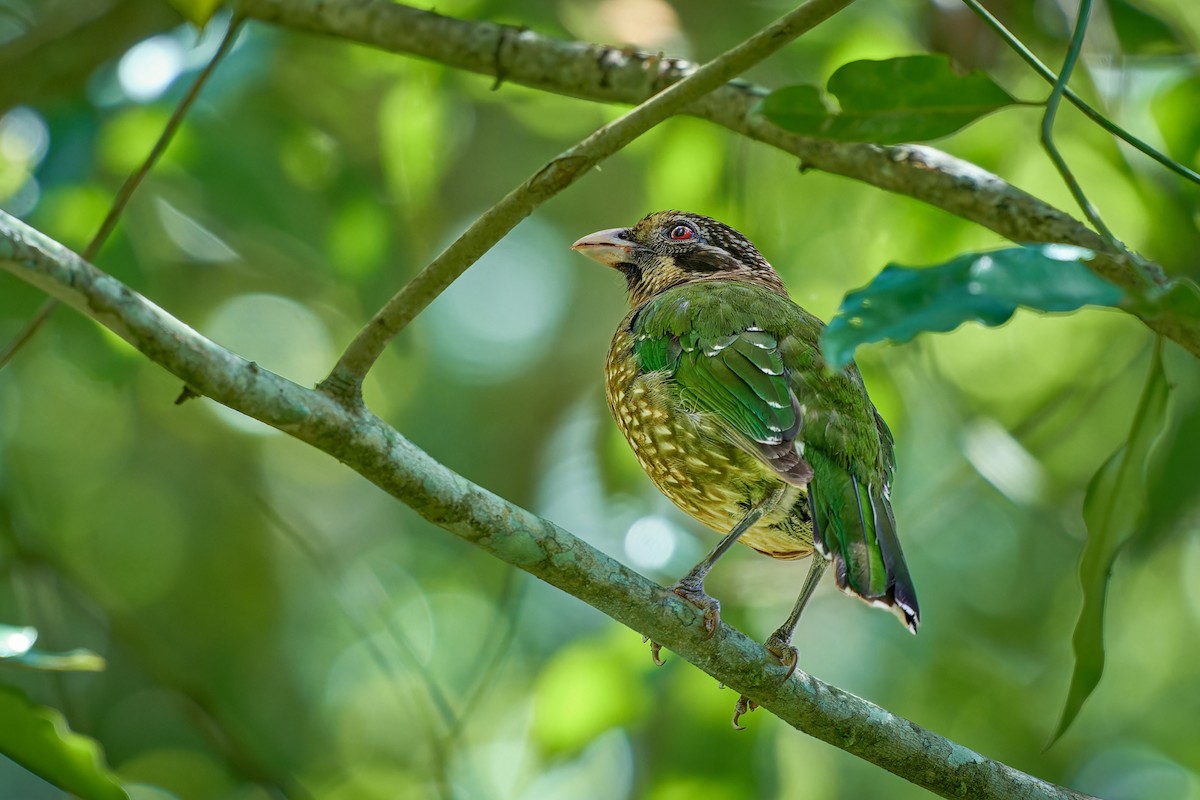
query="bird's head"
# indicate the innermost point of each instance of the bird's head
(669, 248)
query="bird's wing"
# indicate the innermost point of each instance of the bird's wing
(733, 371)
(851, 450)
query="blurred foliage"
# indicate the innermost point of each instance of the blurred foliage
(274, 625)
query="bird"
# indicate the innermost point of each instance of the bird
(716, 379)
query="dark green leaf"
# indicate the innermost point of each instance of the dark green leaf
(982, 287)
(1113, 509)
(908, 99)
(38, 739)
(1141, 31)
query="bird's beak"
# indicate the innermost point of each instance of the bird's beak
(608, 246)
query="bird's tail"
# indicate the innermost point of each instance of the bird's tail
(853, 524)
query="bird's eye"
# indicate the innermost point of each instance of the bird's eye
(681, 233)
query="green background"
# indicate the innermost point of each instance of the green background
(271, 620)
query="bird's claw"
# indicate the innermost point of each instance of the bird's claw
(655, 648)
(744, 706)
(788, 655)
(709, 605)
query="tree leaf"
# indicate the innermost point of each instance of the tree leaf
(1113, 509)
(907, 99)
(981, 287)
(1141, 31)
(16, 650)
(37, 738)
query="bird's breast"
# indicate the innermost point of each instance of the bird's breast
(692, 459)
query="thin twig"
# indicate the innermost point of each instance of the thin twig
(345, 381)
(121, 200)
(1091, 113)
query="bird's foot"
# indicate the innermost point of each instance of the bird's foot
(655, 648)
(783, 650)
(694, 594)
(744, 706)
(788, 656)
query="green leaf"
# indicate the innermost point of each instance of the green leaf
(38, 739)
(981, 287)
(1141, 31)
(16, 650)
(197, 12)
(908, 99)
(1113, 509)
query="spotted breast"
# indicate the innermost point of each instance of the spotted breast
(692, 459)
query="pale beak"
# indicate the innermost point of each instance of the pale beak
(607, 246)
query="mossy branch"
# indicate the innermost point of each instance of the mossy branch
(371, 447)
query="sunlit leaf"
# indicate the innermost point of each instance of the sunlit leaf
(1113, 509)
(39, 740)
(902, 302)
(908, 99)
(1142, 31)
(16, 650)
(197, 12)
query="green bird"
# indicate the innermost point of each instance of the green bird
(717, 381)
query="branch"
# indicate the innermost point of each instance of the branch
(613, 75)
(371, 447)
(346, 377)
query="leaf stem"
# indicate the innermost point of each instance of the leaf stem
(1051, 113)
(1091, 113)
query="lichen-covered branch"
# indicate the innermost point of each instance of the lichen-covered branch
(615, 75)
(346, 378)
(379, 453)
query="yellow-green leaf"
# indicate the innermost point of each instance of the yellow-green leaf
(38, 738)
(197, 12)
(1113, 509)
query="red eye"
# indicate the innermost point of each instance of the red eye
(681, 233)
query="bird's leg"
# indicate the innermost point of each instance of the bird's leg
(779, 643)
(691, 586)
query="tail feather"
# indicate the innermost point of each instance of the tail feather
(854, 525)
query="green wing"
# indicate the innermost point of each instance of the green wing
(729, 367)
(751, 357)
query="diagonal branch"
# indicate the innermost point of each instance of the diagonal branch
(355, 436)
(614, 75)
(346, 378)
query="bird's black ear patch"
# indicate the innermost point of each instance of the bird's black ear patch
(706, 259)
